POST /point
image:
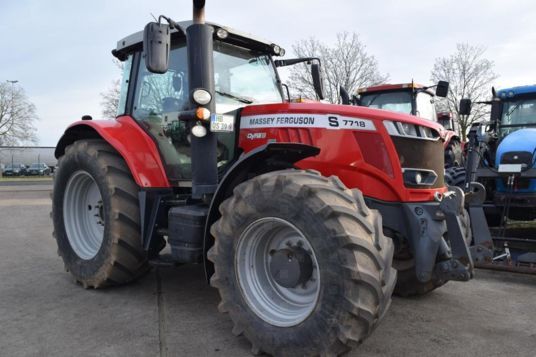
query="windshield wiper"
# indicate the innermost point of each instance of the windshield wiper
(235, 97)
(515, 107)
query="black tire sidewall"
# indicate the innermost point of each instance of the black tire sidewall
(72, 162)
(301, 214)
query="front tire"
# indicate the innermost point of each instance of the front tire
(350, 281)
(96, 216)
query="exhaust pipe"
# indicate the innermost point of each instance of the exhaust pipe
(201, 75)
(199, 12)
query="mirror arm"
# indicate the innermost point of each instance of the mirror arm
(292, 61)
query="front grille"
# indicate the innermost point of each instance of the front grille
(423, 154)
(517, 157)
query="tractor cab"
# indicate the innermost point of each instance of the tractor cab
(408, 98)
(517, 109)
(166, 103)
(244, 73)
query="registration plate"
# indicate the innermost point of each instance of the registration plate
(221, 123)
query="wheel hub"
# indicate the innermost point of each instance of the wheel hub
(291, 267)
(277, 271)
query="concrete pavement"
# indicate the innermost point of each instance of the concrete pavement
(172, 312)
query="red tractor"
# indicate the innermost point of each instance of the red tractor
(416, 99)
(295, 209)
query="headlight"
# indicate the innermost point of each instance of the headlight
(396, 128)
(419, 177)
(201, 96)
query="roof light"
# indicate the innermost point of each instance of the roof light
(276, 49)
(222, 33)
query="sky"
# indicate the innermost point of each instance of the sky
(59, 50)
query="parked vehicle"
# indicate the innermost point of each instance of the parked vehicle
(285, 204)
(502, 159)
(419, 100)
(38, 169)
(15, 170)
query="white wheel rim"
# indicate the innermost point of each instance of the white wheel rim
(83, 215)
(270, 301)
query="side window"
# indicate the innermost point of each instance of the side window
(125, 79)
(426, 106)
(158, 99)
(160, 96)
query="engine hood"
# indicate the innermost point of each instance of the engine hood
(522, 140)
(376, 115)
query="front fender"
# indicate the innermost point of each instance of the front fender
(135, 146)
(266, 158)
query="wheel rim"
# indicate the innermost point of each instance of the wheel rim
(83, 215)
(272, 302)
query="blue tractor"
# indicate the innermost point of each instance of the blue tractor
(501, 177)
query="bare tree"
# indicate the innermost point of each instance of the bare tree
(470, 76)
(17, 116)
(345, 63)
(110, 97)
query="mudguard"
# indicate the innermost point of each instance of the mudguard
(269, 157)
(125, 135)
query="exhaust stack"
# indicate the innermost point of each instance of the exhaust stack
(201, 75)
(199, 12)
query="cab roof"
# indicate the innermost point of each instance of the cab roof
(515, 91)
(239, 38)
(392, 87)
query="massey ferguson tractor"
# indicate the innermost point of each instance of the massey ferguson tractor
(418, 100)
(501, 168)
(295, 209)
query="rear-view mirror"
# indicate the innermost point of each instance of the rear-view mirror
(465, 107)
(442, 89)
(317, 80)
(496, 111)
(156, 43)
(345, 97)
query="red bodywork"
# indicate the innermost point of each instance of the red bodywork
(361, 159)
(135, 146)
(364, 159)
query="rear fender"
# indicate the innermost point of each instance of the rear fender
(135, 146)
(266, 158)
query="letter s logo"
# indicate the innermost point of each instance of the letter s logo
(333, 121)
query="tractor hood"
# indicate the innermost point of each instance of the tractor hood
(520, 141)
(374, 115)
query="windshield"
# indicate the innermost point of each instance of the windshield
(395, 101)
(243, 77)
(517, 114)
(401, 102)
(445, 123)
(36, 166)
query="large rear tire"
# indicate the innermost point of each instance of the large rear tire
(349, 287)
(96, 216)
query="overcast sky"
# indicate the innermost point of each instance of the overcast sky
(59, 50)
